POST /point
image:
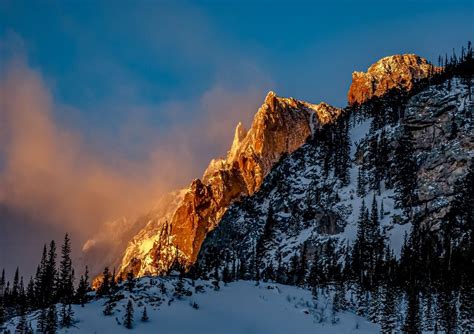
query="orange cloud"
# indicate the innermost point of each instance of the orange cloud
(48, 170)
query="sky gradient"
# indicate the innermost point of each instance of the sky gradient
(129, 100)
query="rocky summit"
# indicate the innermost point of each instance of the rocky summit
(280, 126)
(398, 71)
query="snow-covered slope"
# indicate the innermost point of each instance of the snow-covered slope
(310, 204)
(238, 307)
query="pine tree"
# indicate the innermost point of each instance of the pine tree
(22, 326)
(280, 276)
(226, 274)
(447, 310)
(104, 288)
(144, 315)
(466, 307)
(360, 252)
(302, 266)
(113, 282)
(50, 275)
(314, 273)
(15, 288)
(128, 318)
(179, 289)
(108, 308)
(454, 128)
(81, 292)
(2, 311)
(66, 281)
(361, 181)
(130, 283)
(412, 319)
(428, 311)
(361, 301)
(2, 283)
(40, 280)
(267, 232)
(242, 272)
(405, 168)
(42, 320)
(30, 295)
(374, 305)
(388, 320)
(67, 315)
(339, 301)
(51, 320)
(382, 210)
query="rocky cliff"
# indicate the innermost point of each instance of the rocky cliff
(303, 203)
(280, 126)
(399, 71)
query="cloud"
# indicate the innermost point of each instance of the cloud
(66, 182)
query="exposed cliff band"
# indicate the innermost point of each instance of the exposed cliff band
(280, 126)
(399, 71)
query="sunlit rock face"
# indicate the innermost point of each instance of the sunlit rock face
(280, 126)
(398, 71)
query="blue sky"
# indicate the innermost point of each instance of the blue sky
(117, 53)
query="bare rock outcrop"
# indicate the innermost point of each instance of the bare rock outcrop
(280, 126)
(398, 71)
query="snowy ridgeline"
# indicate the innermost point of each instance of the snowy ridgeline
(238, 307)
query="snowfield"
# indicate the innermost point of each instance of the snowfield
(238, 307)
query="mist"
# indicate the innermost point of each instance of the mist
(54, 180)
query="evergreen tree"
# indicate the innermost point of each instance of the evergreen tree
(30, 295)
(447, 311)
(65, 289)
(49, 277)
(361, 181)
(15, 288)
(40, 280)
(108, 308)
(51, 320)
(2, 283)
(388, 320)
(454, 128)
(42, 320)
(301, 270)
(104, 288)
(144, 315)
(267, 232)
(428, 311)
(315, 272)
(242, 274)
(179, 289)
(339, 301)
(83, 288)
(128, 318)
(373, 313)
(466, 307)
(2, 311)
(280, 275)
(405, 168)
(226, 274)
(22, 326)
(81, 292)
(66, 316)
(361, 300)
(130, 283)
(412, 319)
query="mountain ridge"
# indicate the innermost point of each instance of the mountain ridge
(179, 232)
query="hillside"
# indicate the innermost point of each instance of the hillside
(238, 307)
